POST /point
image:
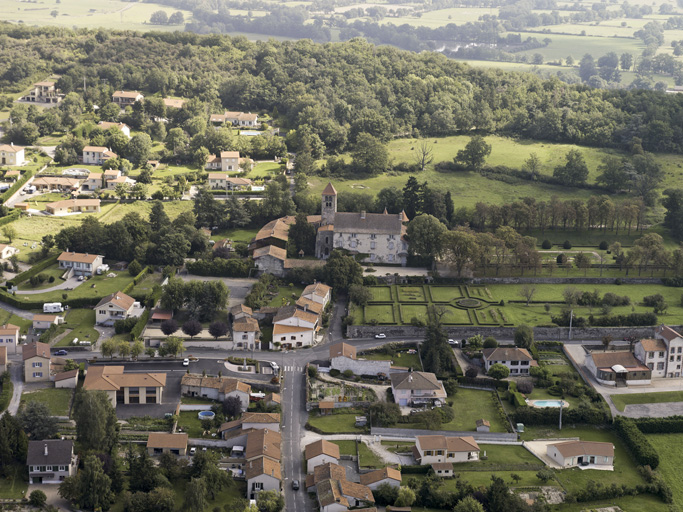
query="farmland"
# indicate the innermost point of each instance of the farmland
(670, 450)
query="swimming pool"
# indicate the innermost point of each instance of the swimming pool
(549, 403)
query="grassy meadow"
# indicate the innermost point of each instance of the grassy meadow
(670, 450)
(621, 401)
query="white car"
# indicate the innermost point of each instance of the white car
(274, 366)
(193, 450)
(380, 336)
(454, 342)
(186, 362)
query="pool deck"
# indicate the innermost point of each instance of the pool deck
(532, 403)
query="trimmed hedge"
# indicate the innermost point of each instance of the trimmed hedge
(669, 425)
(7, 391)
(139, 326)
(517, 399)
(10, 299)
(484, 383)
(129, 287)
(641, 449)
(19, 183)
(551, 416)
(34, 270)
(220, 267)
(10, 217)
(415, 469)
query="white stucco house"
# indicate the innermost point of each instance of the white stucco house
(226, 161)
(246, 334)
(343, 357)
(387, 475)
(318, 292)
(51, 461)
(82, 264)
(294, 328)
(117, 306)
(321, 452)
(436, 449)
(215, 388)
(416, 388)
(518, 360)
(581, 453)
(618, 368)
(662, 354)
(97, 155)
(11, 154)
(9, 337)
(7, 251)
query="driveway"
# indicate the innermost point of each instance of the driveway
(17, 377)
(52, 493)
(464, 363)
(239, 287)
(170, 399)
(69, 284)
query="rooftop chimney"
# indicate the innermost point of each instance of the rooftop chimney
(45, 452)
(362, 215)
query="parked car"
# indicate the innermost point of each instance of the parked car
(274, 366)
(61, 352)
(454, 342)
(193, 450)
(295, 485)
(186, 362)
(380, 336)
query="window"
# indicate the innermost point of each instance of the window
(514, 363)
(650, 354)
(37, 375)
(391, 257)
(525, 363)
(292, 338)
(650, 366)
(661, 354)
(680, 349)
(439, 452)
(671, 358)
(373, 257)
(429, 452)
(391, 237)
(373, 236)
(605, 460)
(245, 337)
(390, 246)
(354, 235)
(38, 364)
(660, 366)
(678, 358)
(373, 245)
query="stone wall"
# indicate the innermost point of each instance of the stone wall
(540, 333)
(563, 280)
(361, 366)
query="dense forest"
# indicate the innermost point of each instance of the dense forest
(338, 91)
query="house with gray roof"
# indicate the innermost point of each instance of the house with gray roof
(417, 388)
(51, 461)
(518, 360)
(379, 236)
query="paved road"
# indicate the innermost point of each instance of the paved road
(294, 421)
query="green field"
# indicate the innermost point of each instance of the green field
(471, 405)
(82, 325)
(15, 484)
(346, 447)
(670, 450)
(334, 423)
(57, 399)
(621, 401)
(53, 271)
(22, 323)
(402, 358)
(94, 287)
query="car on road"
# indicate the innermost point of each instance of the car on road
(186, 362)
(295, 485)
(274, 366)
(455, 343)
(61, 352)
(380, 336)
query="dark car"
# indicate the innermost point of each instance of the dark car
(295, 485)
(61, 352)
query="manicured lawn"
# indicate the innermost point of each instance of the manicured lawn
(81, 322)
(367, 457)
(456, 316)
(57, 399)
(7, 317)
(346, 447)
(286, 295)
(53, 271)
(411, 294)
(621, 401)
(15, 484)
(145, 286)
(471, 405)
(334, 423)
(191, 424)
(264, 170)
(381, 294)
(398, 446)
(400, 359)
(382, 313)
(483, 478)
(498, 454)
(640, 503)
(236, 235)
(193, 400)
(445, 293)
(670, 450)
(410, 311)
(95, 287)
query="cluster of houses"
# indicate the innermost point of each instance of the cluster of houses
(297, 325)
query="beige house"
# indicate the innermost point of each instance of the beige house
(662, 355)
(158, 443)
(250, 421)
(97, 155)
(236, 118)
(11, 154)
(223, 182)
(122, 127)
(51, 461)
(518, 360)
(42, 322)
(417, 388)
(618, 368)
(92, 182)
(294, 328)
(318, 292)
(215, 388)
(341, 495)
(387, 475)
(3, 359)
(227, 161)
(69, 206)
(343, 357)
(7, 251)
(262, 474)
(67, 379)
(125, 98)
(246, 334)
(435, 449)
(44, 92)
(37, 360)
(82, 264)
(58, 183)
(328, 471)
(241, 311)
(581, 453)
(9, 337)
(321, 452)
(379, 236)
(117, 306)
(126, 388)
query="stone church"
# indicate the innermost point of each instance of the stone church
(378, 236)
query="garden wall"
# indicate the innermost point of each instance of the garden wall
(540, 333)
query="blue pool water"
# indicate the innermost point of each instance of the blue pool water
(206, 415)
(548, 403)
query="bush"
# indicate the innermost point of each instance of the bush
(471, 372)
(7, 389)
(136, 331)
(134, 268)
(551, 415)
(490, 342)
(567, 245)
(34, 270)
(641, 449)
(37, 498)
(525, 386)
(334, 373)
(517, 399)
(221, 267)
(546, 244)
(669, 425)
(603, 245)
(125, 325)
(347, 374)
(652, 300)
(555, 390)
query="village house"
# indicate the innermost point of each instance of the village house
(341, 495)
(327, 471)
(270, 260)
(663, 354)
(227, 161)
(125, 98)
(163, 442)
(246, 334)
(174, 103)
(221, 181)
(387, 475)
(618, 369)
(378, 236)
(436, 448)
(82, 264)
(126, 388)
(11, 154)
(250, 421)
(66, 379)
(215, 388)
(97, 155)
(581, 453)
(44, 92)
(7, 251)
(318, 292)
(117, 306)
(94, 181)
(9, 337)
(321, 452)
(122, 127)
(308, 305)
(343, 357)
(517, 360)
(51, 461)
(417, 388)
(70, 206)
(241, 311)
(272, 399)
(483, 425)
(12, 175)
(275, 232)
(43, 322)
(294, 328)
(262, 474)
(37, 360)
(236, 118)
(56, 183)
(3, 359)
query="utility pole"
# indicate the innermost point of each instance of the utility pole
(561, 404)
(571, 317)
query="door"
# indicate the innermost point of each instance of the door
(403, 402)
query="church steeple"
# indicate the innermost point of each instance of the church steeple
(329, 205)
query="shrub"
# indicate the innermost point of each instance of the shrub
(641, 449)
(561, 259)
(125, 325)
(546, 244)
(652, 300)
(490, 342)
(134, 268)
(517, 399)
(525, 386)
(334, 373)
(52, 279)
(603, 245)
(37, 498)
(555, 390)
(347, 374)
(471, 372)
(567, 245)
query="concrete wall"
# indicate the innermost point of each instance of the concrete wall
(361, 366)
(540, 333)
